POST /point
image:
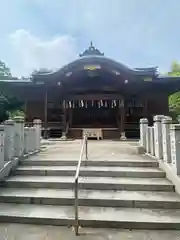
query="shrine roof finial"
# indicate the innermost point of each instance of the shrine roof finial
(91, 51)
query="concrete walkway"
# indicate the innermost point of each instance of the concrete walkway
(97, 150)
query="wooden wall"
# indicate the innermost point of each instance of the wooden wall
(34, 110)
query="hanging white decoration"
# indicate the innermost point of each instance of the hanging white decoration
(98, 104)
(64, 104)
(70, 105)
(82, 103)
(73, 104)
(86, 104)
(92, 103)
(114, 103)
(121, 103)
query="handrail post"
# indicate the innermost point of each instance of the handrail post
(76, 207)
(76, 183)
(86, 147)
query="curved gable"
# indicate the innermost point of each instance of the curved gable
(93, 59)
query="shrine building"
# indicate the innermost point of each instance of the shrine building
(95, 93)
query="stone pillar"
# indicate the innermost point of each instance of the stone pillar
(46, 132)
(19, 136)
(148, 142)
(166, 123)
(37, 124)
(158, 136)
(32, 137)
(26, 140)
(9, 140)
(143, 131)
(30, 140)
(122, 122)
(2, 136)
(152, 141)
(175, 147)
(64, 123)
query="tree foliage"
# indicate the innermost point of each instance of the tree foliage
(4, 70)
(8, 103)
(174, 99)
(14, 113)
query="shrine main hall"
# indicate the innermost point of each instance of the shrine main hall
(95, 94)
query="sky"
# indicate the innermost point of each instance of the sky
(49, 34)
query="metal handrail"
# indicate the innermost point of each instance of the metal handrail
(76, 182)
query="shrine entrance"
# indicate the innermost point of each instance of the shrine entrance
(95, 114)
(100, 116)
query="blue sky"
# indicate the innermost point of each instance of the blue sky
(44, 33)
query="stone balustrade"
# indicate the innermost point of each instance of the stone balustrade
(16, 140)
(162, 140)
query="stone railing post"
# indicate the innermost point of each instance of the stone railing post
(148, 142)
(175, 147)
(158, 136)
(166, 123)
(26, 140)
(2, 136)
(37, 124)
(32, 139)
(152, 141)
(9, 140)
(19, 136)
(143, 132)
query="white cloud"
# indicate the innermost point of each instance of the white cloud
(31, 52)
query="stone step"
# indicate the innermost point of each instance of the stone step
(120, 163)
(126, 218)
(90, 171)
(97, 183)
(106, 198)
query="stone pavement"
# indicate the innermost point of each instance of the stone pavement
(32, 232)
(97, 150)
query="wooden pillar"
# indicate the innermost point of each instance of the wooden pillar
(64, 118)
(145, 109)
(122, 128)
(25, 110)
(70, 116)
(64, 112)
(45, 114)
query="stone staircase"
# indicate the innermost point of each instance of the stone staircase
(131, 194)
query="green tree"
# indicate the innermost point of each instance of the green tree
(8, 103)
(174, 99)
(4, 70)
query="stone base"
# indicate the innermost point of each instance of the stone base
(64, 137)
(123, 136)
